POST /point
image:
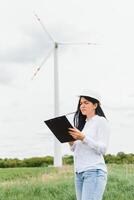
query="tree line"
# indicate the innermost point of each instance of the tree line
(119, 158)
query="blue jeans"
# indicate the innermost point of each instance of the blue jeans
(90, 185)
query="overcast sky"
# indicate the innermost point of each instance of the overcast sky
(106, 67)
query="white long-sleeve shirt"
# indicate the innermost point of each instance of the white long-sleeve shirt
(88, 154)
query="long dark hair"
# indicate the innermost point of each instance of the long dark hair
(80, 119)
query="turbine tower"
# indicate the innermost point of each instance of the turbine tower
(54, 50)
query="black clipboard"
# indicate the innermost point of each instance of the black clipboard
(59, 127)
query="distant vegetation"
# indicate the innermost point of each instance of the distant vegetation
(120, 158)
(27, 162)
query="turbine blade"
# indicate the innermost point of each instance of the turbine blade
(44, 28)
(77, 43)
(41, 64)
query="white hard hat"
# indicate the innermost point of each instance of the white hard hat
(90, 93)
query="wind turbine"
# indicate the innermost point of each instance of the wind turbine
(54, 50)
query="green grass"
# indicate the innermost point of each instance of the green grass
(51, 183)
(120, 182)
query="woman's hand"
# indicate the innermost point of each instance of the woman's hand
(76, 134)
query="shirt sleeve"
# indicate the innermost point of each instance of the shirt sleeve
(100, 144)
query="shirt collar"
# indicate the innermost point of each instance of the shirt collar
(91, 118)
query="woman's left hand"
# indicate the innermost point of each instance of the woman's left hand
(76, 134)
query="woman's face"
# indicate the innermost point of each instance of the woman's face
(86, 107)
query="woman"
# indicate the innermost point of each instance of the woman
(91, 134)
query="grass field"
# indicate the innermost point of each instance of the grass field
(51, 183)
